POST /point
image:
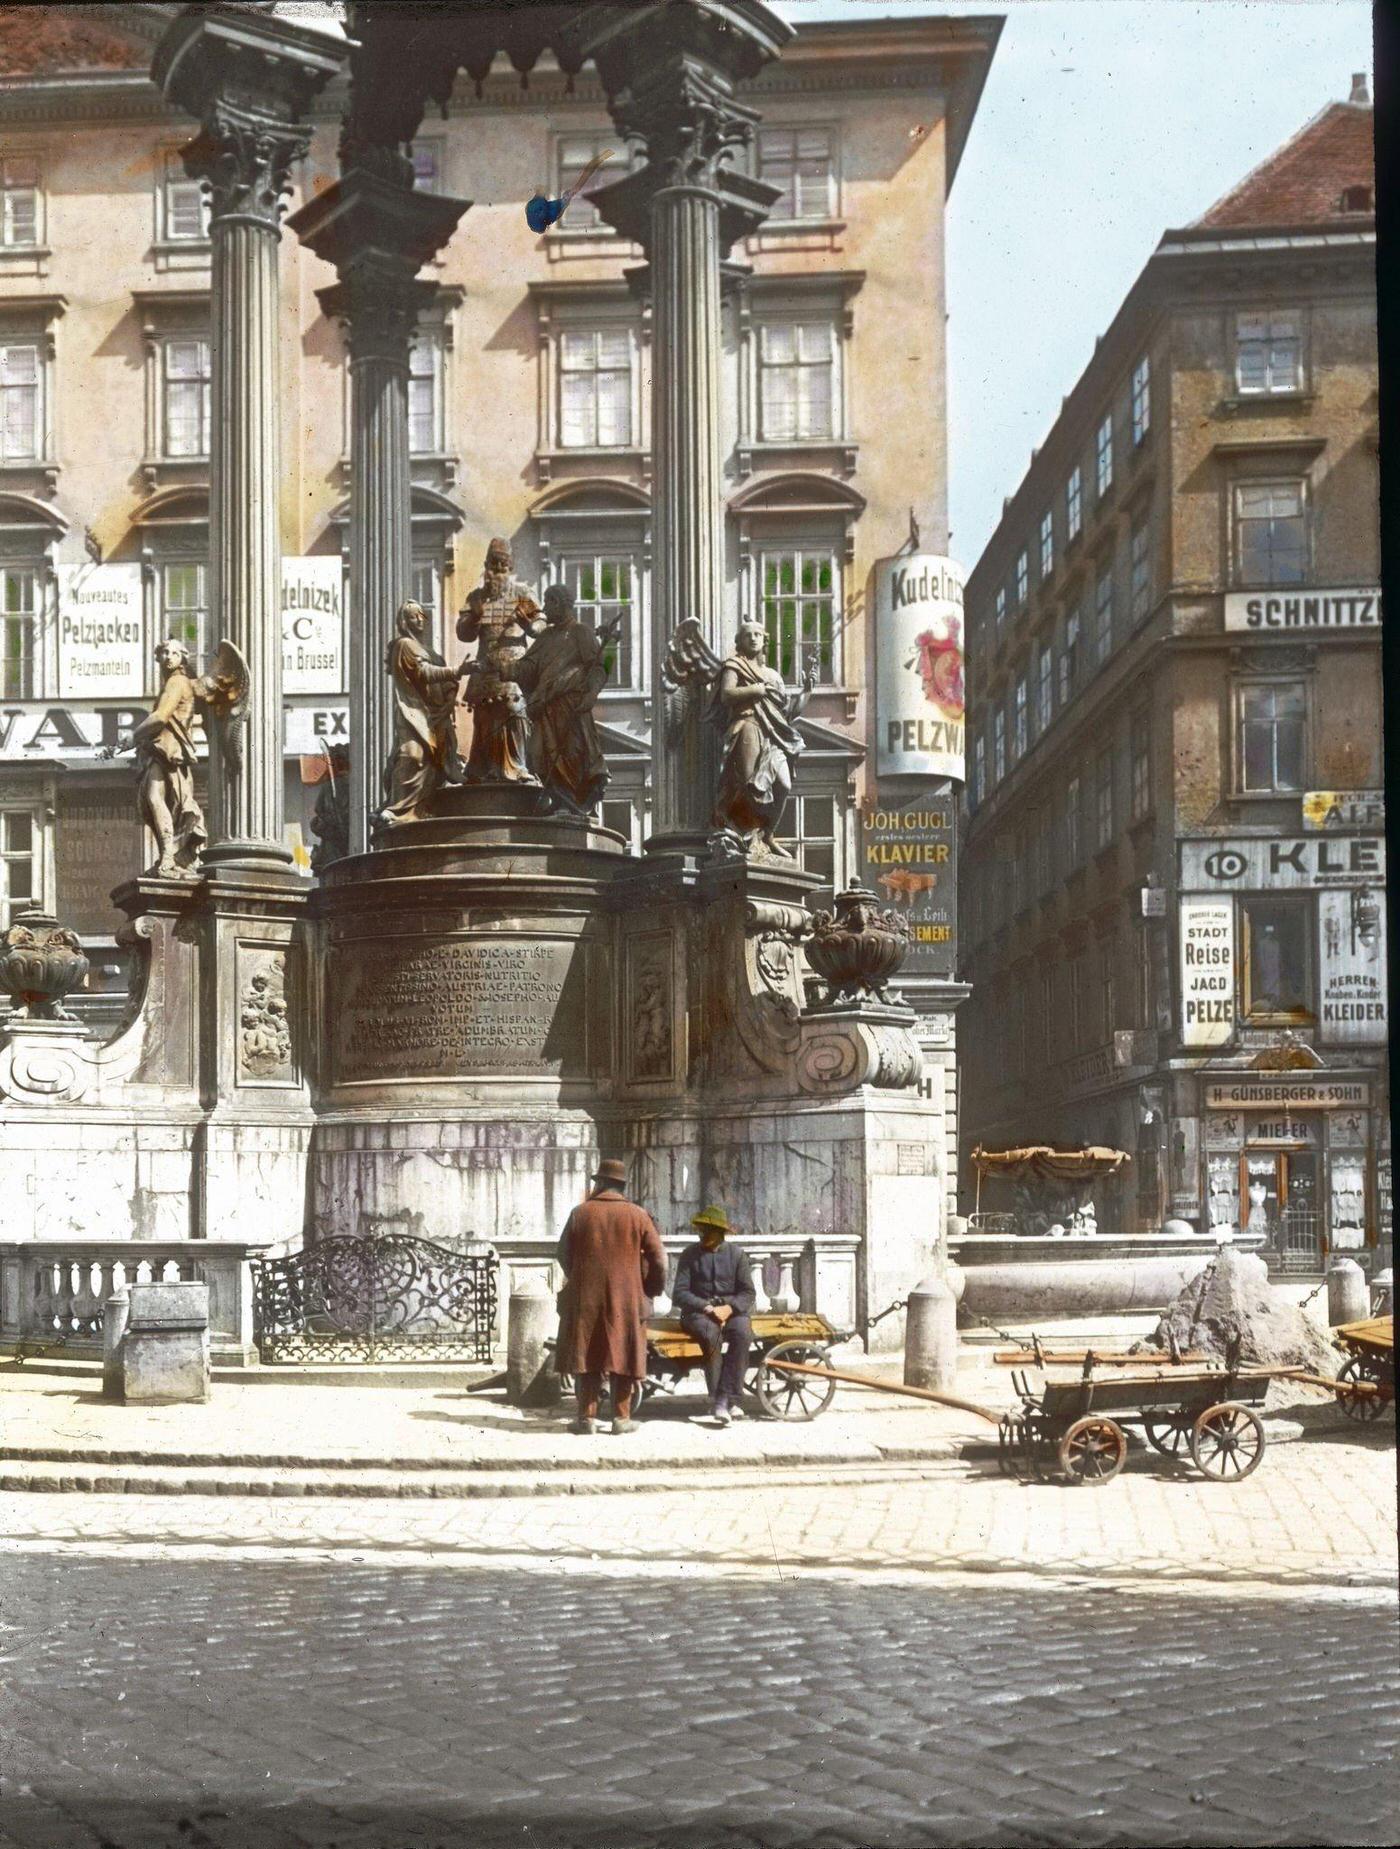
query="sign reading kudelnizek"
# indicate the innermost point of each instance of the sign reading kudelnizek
(908, 856)
(313, 625)
(919, 702)
(1265, 611)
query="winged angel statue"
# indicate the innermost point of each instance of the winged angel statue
(751, 706)
(165, 754)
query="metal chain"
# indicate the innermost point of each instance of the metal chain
(899, 1303)
(1317, 1292)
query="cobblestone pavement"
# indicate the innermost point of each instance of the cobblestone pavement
(236, 1705)
(1319, 1511)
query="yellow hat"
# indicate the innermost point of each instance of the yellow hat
(715, 1217)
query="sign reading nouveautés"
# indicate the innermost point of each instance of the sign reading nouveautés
(1263, 611)
(101, 632)
(919, 667)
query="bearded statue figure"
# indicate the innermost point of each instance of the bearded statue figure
(424, 753)
(500, 616)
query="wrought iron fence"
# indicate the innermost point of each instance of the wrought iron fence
(1294, 1242)
(376, 1297)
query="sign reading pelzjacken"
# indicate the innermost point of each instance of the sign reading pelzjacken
(1255, 863)
(1352, 608)
(101, 632)
(919, 717)
(908, 856)
(313, 625)
(1207, 972)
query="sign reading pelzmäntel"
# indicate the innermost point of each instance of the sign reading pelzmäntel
(919, 667)
(907, 856)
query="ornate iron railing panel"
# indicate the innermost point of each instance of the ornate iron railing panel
(376, 1297)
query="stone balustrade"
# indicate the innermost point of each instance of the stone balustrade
(53, 1293)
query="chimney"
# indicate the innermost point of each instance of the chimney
(1359, 91)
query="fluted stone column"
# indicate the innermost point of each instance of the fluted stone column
(671, 76)
(250, 78)
(378, 232)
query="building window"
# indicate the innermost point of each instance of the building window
(1141, 400)
(1103, 801)
(185, 399)
(1273, 737)
(1275, 962)
(979, 768)
(1047, 544)
(185, 608)
(1268, 355)
(18, 872)
(801, 162)
(425, 576)
(1072, 841)
(998, 745)
(620, 814)
(1045, 689)
(1271, 538)
(19, 204)
(810, 834)
(19, 595)
(21, 403)
(1146, 999)
(425, 430)
(1041, 846)
(1103, 617)
(1069, 658)
(605, 591)
(184, 205)
(1001, 612)
(595, 388)
(1108, 989)
(1023, 578)
(426, 156)
(1140, 759)
(797, 381)
(1019, 728)
(801, 595)
(1103, 457)
(1074, 503)
(1140, 574)
(1076, 1000)
(574, 153)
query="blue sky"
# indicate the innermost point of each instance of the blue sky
(1103, 122)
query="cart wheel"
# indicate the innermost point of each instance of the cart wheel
(1168, 1432)
(1093, 1450)
(1363, 1407)
(1227, 1442)
(794, 1396)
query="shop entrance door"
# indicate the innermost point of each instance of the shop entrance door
(1281, 1190)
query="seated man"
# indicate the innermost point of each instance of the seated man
(713, 1294)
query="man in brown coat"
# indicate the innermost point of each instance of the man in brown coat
(613, 1259)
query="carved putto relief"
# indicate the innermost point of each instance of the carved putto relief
(264, 1032)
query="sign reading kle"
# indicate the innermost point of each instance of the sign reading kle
(101, 632)
(1255, 863)
(1207, 972)
(908, 857)
(313, 625)
(919, 667)
(1270, 610)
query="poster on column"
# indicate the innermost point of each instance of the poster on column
(1351, 926)
(313, 625)
(1207, 972)
(101, 632)
(919, 667)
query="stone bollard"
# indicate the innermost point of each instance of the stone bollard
(1348, 1300)
(114, 1314)
(531, 1321)
(931, 1337)
(165, 1351)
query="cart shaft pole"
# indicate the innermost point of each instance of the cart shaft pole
(886, 1386)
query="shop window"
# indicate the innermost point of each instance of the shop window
(425, 395)
(1023, 578)
(1047, 544)
(19, 204)
(1103, 456)
(1140, 759)
(595, 388)
(19, 613)
(184, 205)
(185, 608)
(1103, 616)
(1276, 960)
(800, 595)
(1272, 730)
(1074, 503)
(1271, 533)
(797, 389)
(605, 588)
(1268, 355)
(1141, 400)
(802, 162)
(810, 833)
(185, 388)
(18, 857)
(21, 402)
(1140, 574)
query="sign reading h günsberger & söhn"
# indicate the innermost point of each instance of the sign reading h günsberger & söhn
(919, 667)
(907, 856)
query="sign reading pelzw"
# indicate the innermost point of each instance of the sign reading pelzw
(1269, 610)
(313, 626)
(1207, 972)
(919, 667)
(1254, 863)
(101, 632)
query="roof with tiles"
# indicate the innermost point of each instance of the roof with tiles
(40, 41)
(1313, 177)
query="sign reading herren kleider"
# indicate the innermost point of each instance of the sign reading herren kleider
(907, 856)
(1266, 611)
(1255, 863)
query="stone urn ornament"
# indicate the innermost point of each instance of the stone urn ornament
(41, 962)
(856, 948)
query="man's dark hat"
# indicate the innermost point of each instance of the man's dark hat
(610, 1169)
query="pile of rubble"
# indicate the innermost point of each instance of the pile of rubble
(1233, 1296)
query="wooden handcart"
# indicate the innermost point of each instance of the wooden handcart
(1365, 1382)
(798, 1336)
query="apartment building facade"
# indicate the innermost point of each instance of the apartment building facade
(1173, 910)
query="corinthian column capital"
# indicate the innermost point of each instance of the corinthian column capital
(246, 162)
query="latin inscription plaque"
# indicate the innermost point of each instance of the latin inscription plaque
(449, 1010)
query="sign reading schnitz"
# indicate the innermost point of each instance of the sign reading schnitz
(907, 857)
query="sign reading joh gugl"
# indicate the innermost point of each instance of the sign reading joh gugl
(908, 857)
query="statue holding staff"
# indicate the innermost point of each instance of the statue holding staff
(500, 616)
(424, 754)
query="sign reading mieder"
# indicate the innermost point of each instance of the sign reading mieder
(919, 666)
